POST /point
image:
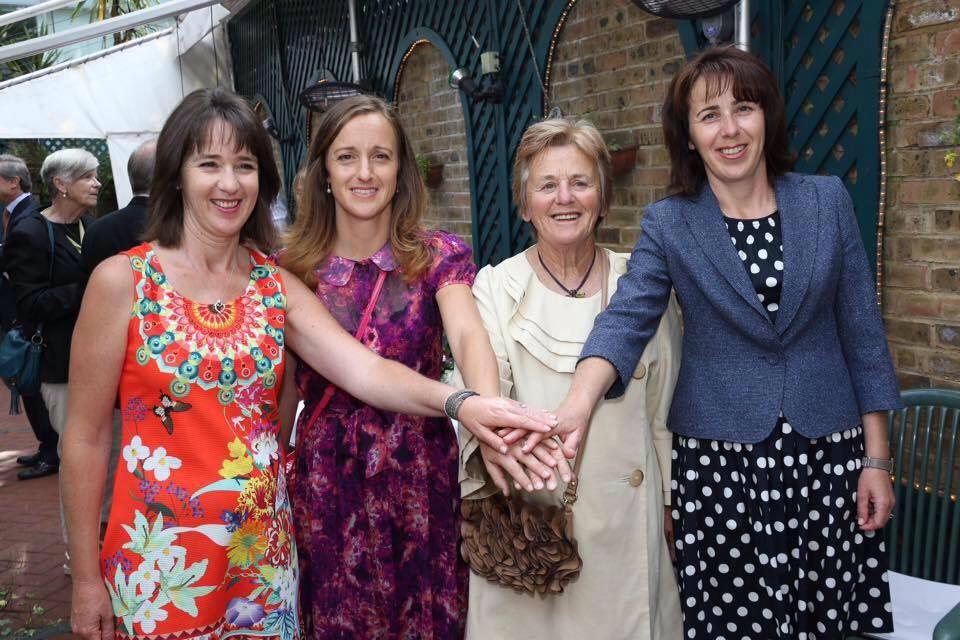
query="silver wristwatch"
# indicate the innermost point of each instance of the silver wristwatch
(877, 463)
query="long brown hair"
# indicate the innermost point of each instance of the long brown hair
(187, 130)
(750, 80)
(310, 238)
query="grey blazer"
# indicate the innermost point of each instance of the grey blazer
(825, 361)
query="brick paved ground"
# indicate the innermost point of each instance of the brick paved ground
(34, 593)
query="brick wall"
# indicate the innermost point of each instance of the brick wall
(611, 65)
(433, 118)
(922, 249)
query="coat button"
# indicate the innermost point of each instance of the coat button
(636, 478)
(640, 371)
(773, 359)
(620, 266)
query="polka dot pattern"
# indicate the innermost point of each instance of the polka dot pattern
(767, 540)
(761, 251)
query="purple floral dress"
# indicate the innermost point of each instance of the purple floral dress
(376, 506)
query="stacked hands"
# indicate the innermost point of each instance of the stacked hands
(533, 451)
(538, 447)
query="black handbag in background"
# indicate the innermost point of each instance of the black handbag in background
(20, 356)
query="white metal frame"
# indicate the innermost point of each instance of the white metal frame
(98, 29)
(35, 10)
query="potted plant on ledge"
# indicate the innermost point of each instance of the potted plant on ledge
(622, 158)
(430, 170)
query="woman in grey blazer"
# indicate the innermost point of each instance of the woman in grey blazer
(780, 472)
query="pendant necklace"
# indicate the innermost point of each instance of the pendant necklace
(573, 293)
(219, 306)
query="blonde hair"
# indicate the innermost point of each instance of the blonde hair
(559, 132)
(310, 238)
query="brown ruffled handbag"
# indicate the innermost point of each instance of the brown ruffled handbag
(527, 547)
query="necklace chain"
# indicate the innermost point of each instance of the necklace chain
(573, 293)
(219, 306)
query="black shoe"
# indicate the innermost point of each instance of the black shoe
(38, 471)
(29, 461)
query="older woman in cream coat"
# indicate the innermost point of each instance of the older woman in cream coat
(538, 308)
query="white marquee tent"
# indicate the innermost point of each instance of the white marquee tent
(122, 94)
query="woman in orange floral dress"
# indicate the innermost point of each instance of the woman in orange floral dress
(190, 328)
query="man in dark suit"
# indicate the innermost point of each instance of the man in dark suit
(18, 203)
(121, 230)
(15, 196)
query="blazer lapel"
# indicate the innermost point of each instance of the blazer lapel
(705, 221)
(799, 220)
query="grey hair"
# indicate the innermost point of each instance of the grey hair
(14, 167)
(556, 132)
(68, 165)
(140, 167)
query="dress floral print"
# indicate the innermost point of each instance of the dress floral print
(376, 502)
(200, 540)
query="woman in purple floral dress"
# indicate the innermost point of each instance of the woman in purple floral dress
(376, 501)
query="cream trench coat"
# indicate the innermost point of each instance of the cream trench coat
(627, 587)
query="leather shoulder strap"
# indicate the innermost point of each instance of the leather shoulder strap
(52, 247)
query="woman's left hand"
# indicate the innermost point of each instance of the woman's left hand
(483, 416)
(874, 499)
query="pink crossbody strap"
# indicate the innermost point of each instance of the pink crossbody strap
(332, 388)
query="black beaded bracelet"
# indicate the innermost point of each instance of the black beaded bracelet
(451, 406)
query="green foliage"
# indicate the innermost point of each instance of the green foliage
(423, 163)
(18, 32)
(105, 9)
(950, 157)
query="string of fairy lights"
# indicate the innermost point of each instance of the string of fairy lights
(882, 202)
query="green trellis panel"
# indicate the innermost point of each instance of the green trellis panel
(831, 81)
(279, 45)
(826, 55)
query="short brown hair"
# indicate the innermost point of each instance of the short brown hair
(311, 236)
(188, 130)
(559, 132)
(751, 81)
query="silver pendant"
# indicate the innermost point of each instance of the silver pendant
(218, 306)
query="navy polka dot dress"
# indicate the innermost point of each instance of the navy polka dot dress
(766, 534)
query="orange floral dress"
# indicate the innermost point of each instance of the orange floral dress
(199, 543)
